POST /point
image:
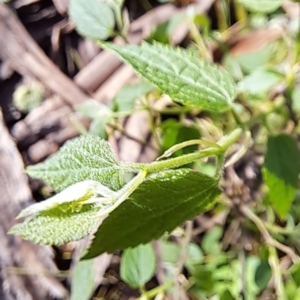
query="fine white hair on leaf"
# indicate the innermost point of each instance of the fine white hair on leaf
(79, 192)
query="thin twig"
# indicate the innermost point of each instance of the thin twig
(160, 274)
(242, 260)
(30, 272)
(266, 235)
(182, 259)
(123, 131)
(277, 275)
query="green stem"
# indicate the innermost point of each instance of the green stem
(220, 8)
(152, 293)
(117, 8)
(275, 266)
(127, 190)
(174, 110)
(143, 292)
(237, 118)
(157, 166)
(131, 186)
(194, 31)
(220, 166)
(226, 141)
(240, 13)
(171, 163)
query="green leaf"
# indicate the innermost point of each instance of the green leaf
(58, 225)
(67, 216)
(232, 66)
(85, 204)
(204, 22)
(252, 60)
(161, 203)
(211, 241)
(125, 98)
(85, 158)
(227, 296)
(75, 195)
(100, 115)
(259, 81)
(295, 273)
(83, 280)
(163, 31)
(195, 256)
(174, 132)
(263, 274)
(97, 127)
(93, 18)
(204, 279)
(261, 6)
(171, 253)
(281, 171)
(296, 100)
(92, 109)
(181, 74)
(138, 265)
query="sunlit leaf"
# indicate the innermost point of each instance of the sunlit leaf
(85, 158)
(181, 74)
(160, 204)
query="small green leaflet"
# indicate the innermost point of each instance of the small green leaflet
(259, 81)
(93, 18)
(281, 171)
(92, 109)
(83, 280)
(181, 74)
(261, 6)
(161, 203)
(138, 265)
(99, 113)
(125, 99)
(85, 158)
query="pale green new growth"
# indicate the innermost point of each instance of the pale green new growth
(181, 74)
(79, 194)
(85, 199)
(53, 220)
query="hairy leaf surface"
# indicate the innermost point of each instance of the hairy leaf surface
(181, 74)
(84, 158)
(58, 225)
